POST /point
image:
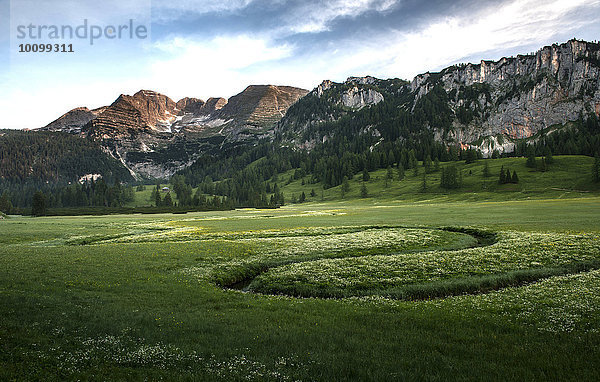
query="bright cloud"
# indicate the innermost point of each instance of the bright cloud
(218, 67)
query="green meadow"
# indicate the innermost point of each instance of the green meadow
(389, 290)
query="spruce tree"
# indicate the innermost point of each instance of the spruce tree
(424, 183)
(515, 178)
(5, 203)
(345, 185)
(363, 190)
(400, 172)
(486, 170)
(436, 165)
(502, 178)
(412, 159)
(531, 162)
(543, 165)
(470, 156)
(449, 178)
(168, 201)
(596, 169)
(38, 204)
(157, 199)
(365, 175)
(428, 164)
(549, 157)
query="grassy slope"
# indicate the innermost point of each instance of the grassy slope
(143, 198)
(52, 298)
(569, 176)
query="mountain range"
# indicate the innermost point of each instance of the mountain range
(154, 136)
(490, 106)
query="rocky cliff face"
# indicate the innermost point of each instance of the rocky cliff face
(517, 97)
(330, 101)
(154, 136)
(487, 106)
(257, 109)
(356, 98)
(352, 94)
(73, 120)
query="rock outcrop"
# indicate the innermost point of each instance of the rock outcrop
(487, 106)
(73, 120)
(356, 98)
(518, 97)
(154, 136)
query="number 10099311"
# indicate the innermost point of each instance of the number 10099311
(46, 48)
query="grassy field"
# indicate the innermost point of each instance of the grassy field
(140, 297)
(567, 177)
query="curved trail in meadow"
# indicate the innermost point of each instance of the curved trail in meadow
(482, 238)
(526, 269)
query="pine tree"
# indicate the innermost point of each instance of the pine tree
(157, 199)
(412, 159)
(470, 156)
(427, 163)
(168, 201)
(313, 193)
(449, 178)
(531, 162)
(549, 157)
(38, 204)
(424, 183)
(436, 165)
(345, 185)
(543, 165)
(365, 175)
(515, 178)
(5, 203)
(400, 172)
(502, 178)
(363, 190)
(486, 170)
(302, 197)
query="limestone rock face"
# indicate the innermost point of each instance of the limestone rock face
(354, 95)
(487, 106)
(356, 98)
(324, 86)
(522, 95)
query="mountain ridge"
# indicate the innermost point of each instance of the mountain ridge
(488, 106)
(150, 122)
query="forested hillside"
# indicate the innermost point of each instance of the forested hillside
(41, 156)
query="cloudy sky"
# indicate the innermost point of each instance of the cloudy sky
(216, 48)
